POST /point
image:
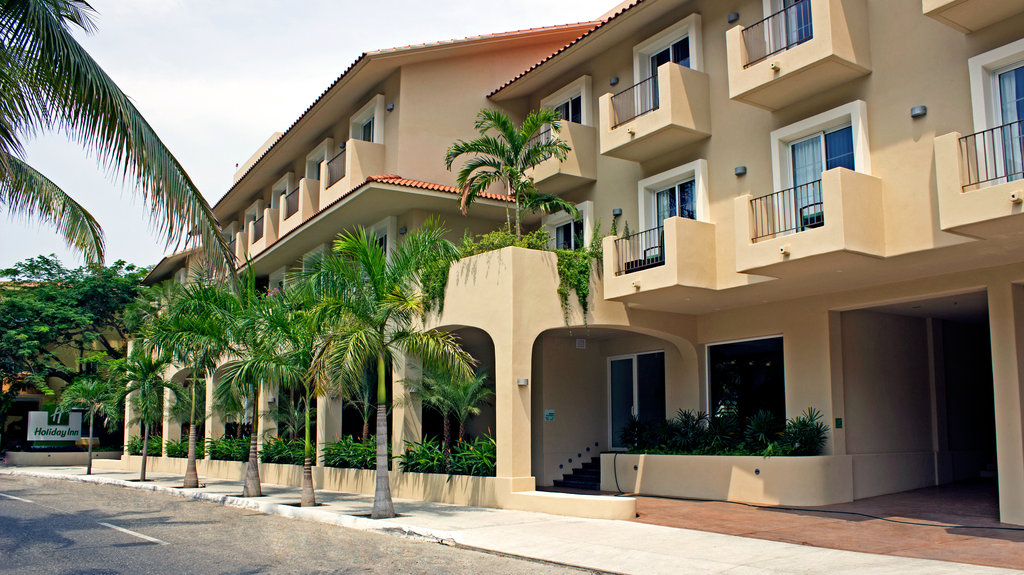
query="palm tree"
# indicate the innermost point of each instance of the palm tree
(184, 328)
(454, 395)
(48, 81)
(141, 374)
(97, 397)
(506, 156)
(367, 304)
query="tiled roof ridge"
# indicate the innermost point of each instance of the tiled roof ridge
(600, 23)
(364, 56)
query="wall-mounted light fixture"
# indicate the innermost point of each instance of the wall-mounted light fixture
(740, 171)
(733, 17)
(389, 107)
(403, 230)
(613, 81)
(616, 212)
(918, 111)
(523, 381)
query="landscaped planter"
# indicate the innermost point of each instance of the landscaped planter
(41, 458)
(818, 480)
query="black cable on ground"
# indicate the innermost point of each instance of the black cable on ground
(836, 512)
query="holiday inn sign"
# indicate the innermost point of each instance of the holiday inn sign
(44, 426)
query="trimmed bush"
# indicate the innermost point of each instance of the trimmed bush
(288, 452)
(351, 453)
(229, 448)
(155, 445)
(179, 449)
(477, 458)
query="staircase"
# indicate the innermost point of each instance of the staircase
(587, 477)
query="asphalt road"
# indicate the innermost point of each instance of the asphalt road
(51, 526)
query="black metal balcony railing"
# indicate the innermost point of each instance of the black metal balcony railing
(336, 168)
(778, 32)
(257, 229)
(993, 156)
(793, 210)
(291, 203)
(541, 137)
(232, 246)
(635, 101)
(640, 251)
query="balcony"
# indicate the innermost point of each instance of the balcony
(263, 231)
(980, 181)
(660, 114)
(579, 166)
(971, 15)
(349, 168)
(681, 253)
(300, 204)
(841, 213)
(803, 50)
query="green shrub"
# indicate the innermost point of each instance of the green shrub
(278, 450)
(351, 453)
(805, 434)
(689, 431)
(762, 430)
(179, 449)
(134, 445)
(477, 458)
(228, 448)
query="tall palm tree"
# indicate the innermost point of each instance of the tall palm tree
(141, 375)
(97, 397)
(184, 328)
(454, 395)
(367, 309)
(48, 81)
(505, 156)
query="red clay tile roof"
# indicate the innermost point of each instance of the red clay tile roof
(400, 181)
(364, 56)
(599, 24)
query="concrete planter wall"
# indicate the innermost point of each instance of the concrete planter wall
(59, 458)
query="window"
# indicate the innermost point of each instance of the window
(678, 192)
(679, 43)
(385, 233)
(746, 377)
(636, 388)
(997, 95)
(569, 234)
(572, 101)
(367, 123)
(837, 138)
(366, 133)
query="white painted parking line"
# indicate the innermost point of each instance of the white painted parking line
(133, 533)
(14, 498)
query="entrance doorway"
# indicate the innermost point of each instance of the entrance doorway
(636, 389)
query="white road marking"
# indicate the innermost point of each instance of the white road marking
(14, 498)
(133, 533)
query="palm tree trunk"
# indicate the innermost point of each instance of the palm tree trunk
(88, 465)
(191, 474)
(145, 450)
(447, 433)
(383, 508)
(308, 494)
(462, 429)
(252, 470)
(366, 428)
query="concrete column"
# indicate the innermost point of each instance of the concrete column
(512, 407)
(328, 423)
(172, 428)
(1005, 309)
(214, 424)
(131, 427)
(263, 416)
(407, 412)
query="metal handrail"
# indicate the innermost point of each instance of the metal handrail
(776, 33)
(640, 251)
(635, 101)
(993, 156)
(794, 210)
(336, 168)
(257, 229)
(542, 137)
(291, 203)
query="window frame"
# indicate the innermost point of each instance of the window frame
(853, 114)
(582, 87)
(550, 222)
(689, 27)
(372, 110)
(322, 150)
(648, 188)
(984, 70)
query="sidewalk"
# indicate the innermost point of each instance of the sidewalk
(602, 545)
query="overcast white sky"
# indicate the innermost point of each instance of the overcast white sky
(216, 78)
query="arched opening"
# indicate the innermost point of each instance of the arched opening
(479, 345)
(181, 412)
(589, 383)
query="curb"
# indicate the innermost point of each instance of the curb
(388, 527)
